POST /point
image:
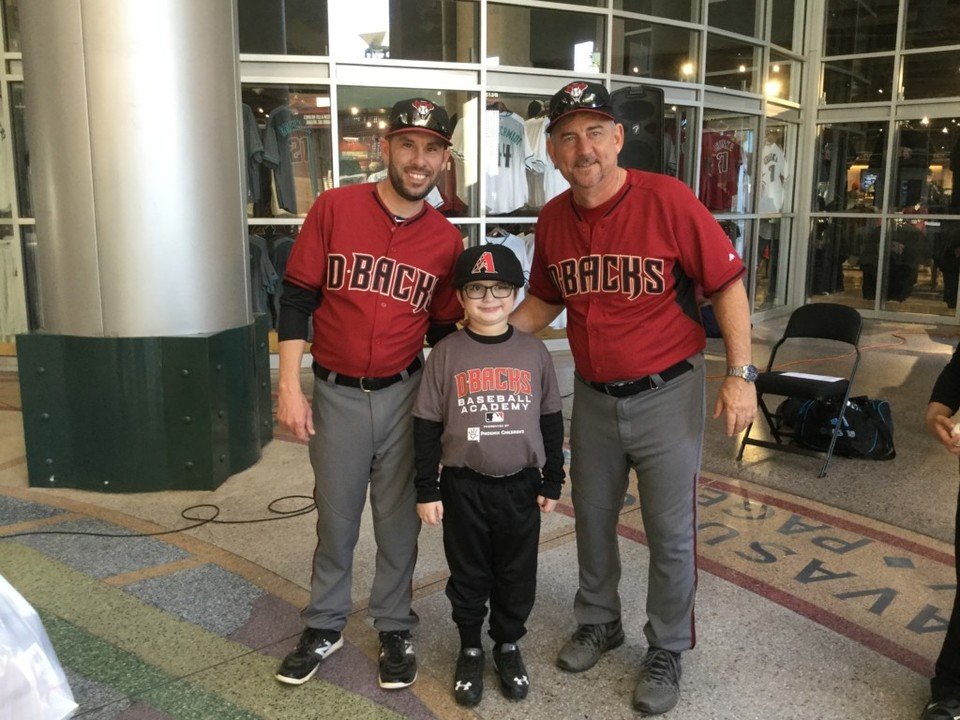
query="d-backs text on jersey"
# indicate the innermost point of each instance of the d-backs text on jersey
(628, 274)
(382, 275)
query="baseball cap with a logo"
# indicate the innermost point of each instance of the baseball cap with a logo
(579, 96)
(488, 262)
(420, 114)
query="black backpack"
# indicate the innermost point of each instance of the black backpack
(867, 430)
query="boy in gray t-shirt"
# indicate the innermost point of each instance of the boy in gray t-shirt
(489, 411)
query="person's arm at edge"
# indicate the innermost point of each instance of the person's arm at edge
(551, 428)
(534, 314)
(293, 408)
(944, 400)
(427, 453)
(737, 398)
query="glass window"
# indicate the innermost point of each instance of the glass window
(686, 10)
(21, 155)
(943, 239)
(859, 80)
(907, 282)
(849, 167)
(930, 23)
(931, 75)
(739, 16)
(520, 176)
(541, 38)
(283, 27)
(643, 49)
(728, 143)
(438, 30)
(289, 159)
(927, 150)
(860, 26)
(679, 125)
(732, 64)
(11, 25)
(13, 319)
(842, 264)
(30, 277)
(363, 116)
(783, 78)
(772, 263)
(786, 23)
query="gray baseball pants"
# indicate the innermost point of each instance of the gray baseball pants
(363, 440)
(659, 433)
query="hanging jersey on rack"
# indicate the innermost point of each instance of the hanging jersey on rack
(773, 175)
(721, 158)
(519, 248)
(544, 180)
(505, 152)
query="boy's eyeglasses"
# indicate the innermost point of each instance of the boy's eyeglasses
(476, 291)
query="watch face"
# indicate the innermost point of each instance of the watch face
(750, 373)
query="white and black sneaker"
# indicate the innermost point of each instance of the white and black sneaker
(398, 663)
(314, 647)
(468, 679)
(942, 710)
(514, 681)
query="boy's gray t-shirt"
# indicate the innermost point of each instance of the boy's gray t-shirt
(489, 397)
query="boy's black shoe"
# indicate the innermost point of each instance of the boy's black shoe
(468, 680)
(514, 683)
(314, 647)
(398, 663)
(942, 710)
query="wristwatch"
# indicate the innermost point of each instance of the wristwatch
(747, 372)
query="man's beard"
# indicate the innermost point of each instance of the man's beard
(396, 180)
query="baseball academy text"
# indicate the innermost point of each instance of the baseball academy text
(628, 274)
(511, 385)
(382, 275)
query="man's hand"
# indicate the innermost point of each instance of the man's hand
(431, 512)
(940, 424)
(546, 504)
(294, 413)
(737, 402)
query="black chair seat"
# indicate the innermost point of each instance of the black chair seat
(819, 321)
(776, 383)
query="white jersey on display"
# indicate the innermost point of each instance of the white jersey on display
(505, 151)
(774, 172)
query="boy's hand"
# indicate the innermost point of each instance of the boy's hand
(431, 512)
(546, 504)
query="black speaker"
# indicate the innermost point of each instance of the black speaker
(640, 110)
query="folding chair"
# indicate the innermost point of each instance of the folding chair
(817, 321)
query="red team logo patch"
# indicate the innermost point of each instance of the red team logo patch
(575, 90)
(423, 108)
(484, 264)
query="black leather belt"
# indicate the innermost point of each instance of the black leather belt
(626, 388)
(367, 384)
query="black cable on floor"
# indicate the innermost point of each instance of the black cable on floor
(198, 522)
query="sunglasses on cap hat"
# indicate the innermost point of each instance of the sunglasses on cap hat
(420, 114)
(579, 95)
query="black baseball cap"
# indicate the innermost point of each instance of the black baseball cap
(420, 114)
(488, 262)
(579, 96)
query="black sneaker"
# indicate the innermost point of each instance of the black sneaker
(942, 710)
(314, 647)
(468, 680)
(658, 688)
(586, 645)
(398, 663)
(514, 683)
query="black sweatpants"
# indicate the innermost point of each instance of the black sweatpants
(491, 530)
(946, 682)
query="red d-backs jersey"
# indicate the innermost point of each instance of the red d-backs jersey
(629, 284)
(382, 281)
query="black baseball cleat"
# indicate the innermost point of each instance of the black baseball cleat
(468, 679)
(514, 682)
(314, 647)
(942, 710)
(398, 663)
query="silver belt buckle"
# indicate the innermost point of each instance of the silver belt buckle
(366, 390)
